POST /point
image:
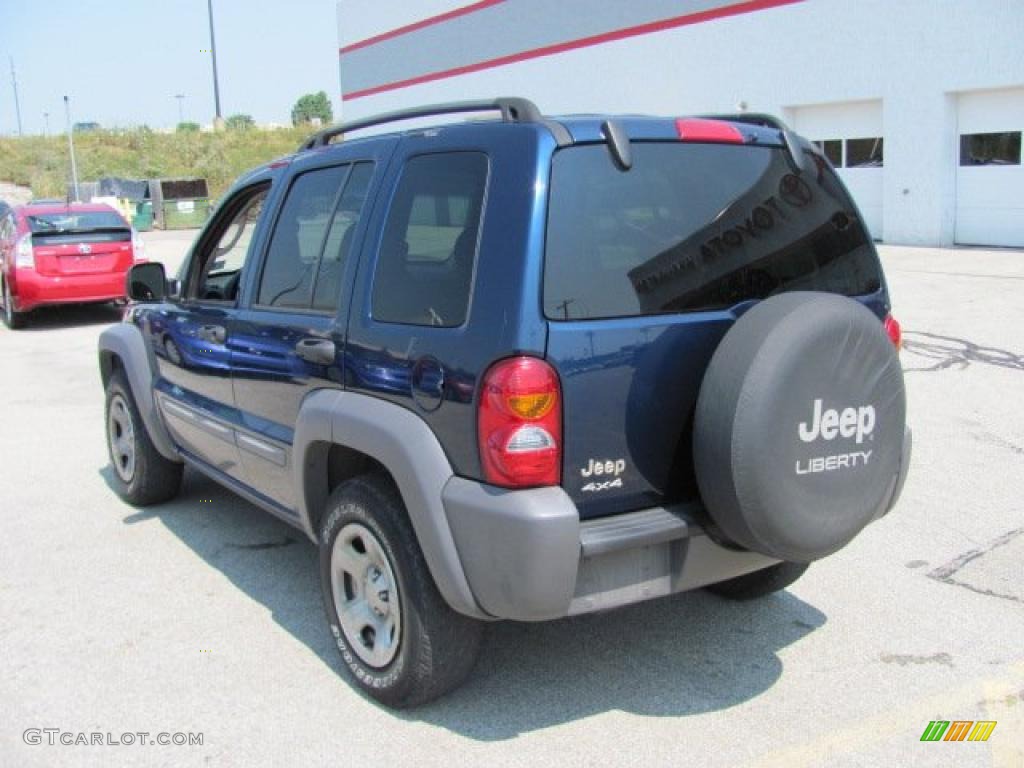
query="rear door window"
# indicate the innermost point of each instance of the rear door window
(696, 227)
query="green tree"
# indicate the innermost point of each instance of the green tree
(312, 105)
(240, 122)
(188, 127)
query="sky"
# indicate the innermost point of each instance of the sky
(121, 62)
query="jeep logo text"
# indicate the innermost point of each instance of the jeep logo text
(599, 468)
(852, 422)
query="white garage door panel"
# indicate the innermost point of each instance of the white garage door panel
(853, 119)
(850, 120)
(990, 111)
(990, 198)
(866, 187)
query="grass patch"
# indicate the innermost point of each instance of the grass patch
(42, 162)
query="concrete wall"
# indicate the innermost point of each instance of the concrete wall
(915, 56)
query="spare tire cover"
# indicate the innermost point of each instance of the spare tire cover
(799, 427)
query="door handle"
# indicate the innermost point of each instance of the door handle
(319, 351)
(215, 334)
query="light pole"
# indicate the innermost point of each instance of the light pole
(46, 120)
(14, 84)
(71, 147)
(218, 121)
(181, 100)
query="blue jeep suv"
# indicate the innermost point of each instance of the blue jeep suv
(522, 368)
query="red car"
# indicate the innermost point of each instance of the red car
(63, 254)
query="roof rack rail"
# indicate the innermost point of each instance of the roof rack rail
(513, 110)
(751, 118)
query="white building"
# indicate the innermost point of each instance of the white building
(920, 103)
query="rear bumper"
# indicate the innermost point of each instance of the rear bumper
(527, 556)
(31, 290)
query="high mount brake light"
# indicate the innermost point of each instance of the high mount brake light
(520, 424)
(713, 131)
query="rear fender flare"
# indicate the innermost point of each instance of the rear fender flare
(403, 443)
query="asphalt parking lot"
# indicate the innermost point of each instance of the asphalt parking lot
(204, 616)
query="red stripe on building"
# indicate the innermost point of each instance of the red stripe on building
(584, 42)
(440, 18)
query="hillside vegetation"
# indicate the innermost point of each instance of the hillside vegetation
(42, 163)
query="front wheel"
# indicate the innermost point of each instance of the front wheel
(751, 586)
(141, 475)
(400, 641)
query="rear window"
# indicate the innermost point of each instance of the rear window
(74, 221)
(696, 227)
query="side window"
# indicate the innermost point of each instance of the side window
(990, 148)
(338, 244)
(833, 149)
(865, 153)
(425, 266)
(298, 239)
(221, 268)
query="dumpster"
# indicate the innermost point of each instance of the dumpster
(142, 219)
(179, 203)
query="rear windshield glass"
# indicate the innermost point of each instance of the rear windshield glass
(696, 227)
(74, 221)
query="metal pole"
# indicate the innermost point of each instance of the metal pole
(213, 55)
(46, 119)
(71, 147)
(17, 105)
(181, 99)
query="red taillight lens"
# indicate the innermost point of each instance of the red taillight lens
(715, 131)
(892, 327)
(520, 424)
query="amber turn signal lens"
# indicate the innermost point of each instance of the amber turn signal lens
(534, 406)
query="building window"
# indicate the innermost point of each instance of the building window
(864, 153)
(990, 148)
(833, 150)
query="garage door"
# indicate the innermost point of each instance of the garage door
(990, 177)
(851, 135)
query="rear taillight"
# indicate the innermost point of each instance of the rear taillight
(23, 256)
(713, 131)
(138, 247)
(520, 424)
(892, 327)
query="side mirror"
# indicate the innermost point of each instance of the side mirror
(146, 282)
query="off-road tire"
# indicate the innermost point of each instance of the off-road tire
(154, 479)
(751, 586)
(437, 647)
